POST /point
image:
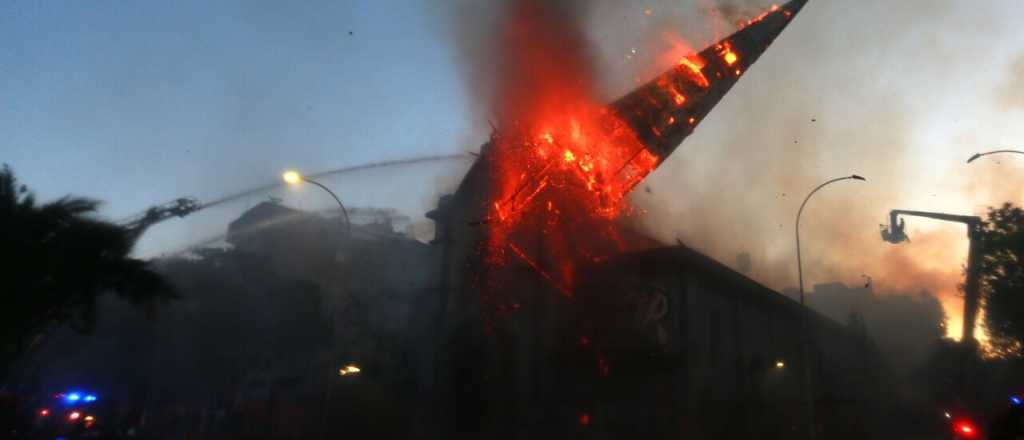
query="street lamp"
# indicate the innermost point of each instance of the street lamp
(349, 369)
(346, 370)
(293, 178)
(799, 264)
(977, 155)
(803, 313)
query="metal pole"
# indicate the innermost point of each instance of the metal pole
(326, 409)
(804, 335)
(344, 212)
(330, 380)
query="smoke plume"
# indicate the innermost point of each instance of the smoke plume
(847, 88)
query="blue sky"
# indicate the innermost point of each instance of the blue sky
(141, 102)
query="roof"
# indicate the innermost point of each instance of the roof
(265, 212)
(670, 259)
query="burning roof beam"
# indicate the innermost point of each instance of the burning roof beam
(664, 111)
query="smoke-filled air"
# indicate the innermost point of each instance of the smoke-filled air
(866, 87)
(512, 219)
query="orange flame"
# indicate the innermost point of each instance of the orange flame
(561, 164)
(695, 65)
(761, 16)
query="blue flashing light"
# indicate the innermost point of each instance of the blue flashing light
(1016, 400)
(89, 398)
(73, 397)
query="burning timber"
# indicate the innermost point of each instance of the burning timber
(665, 111)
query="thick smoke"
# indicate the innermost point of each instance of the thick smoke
(824, 101)
(850, 87)
(478, 30)
(905, 327)
(1010, 94)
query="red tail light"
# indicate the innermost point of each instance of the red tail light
(965, 429)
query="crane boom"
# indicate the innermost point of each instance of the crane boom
(895, 234)
(177, 208)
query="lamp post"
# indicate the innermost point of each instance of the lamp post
(977, 155)
(294, 178)
(808, 399)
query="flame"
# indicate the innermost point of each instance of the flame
(695, 65)
(678, 98)
(728, 55)
(560, 163)
(675, 48)
(761, 16)
(601, 161)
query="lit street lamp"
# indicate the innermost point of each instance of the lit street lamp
(349, 369)
(799, 264)
(294, 178)
(803, 313)
(977, 155)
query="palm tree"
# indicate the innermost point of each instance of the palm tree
(57, 259)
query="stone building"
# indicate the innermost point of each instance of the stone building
(655, 342)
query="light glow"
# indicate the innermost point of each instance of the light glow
(349, 369)
(291, 177)
(966, 429)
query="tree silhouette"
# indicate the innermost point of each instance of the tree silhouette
(57, 259)
(1002, 277)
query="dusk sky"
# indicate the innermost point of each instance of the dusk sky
(138, 103)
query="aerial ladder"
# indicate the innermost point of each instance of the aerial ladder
(895, 233)
(138, 224)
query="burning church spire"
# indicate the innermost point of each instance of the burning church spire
(544, 202)
(560, 164)
(664, 111)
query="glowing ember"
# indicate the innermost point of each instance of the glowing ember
(695, 64)
(678, 98)
(761, 16)
(726, 52)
